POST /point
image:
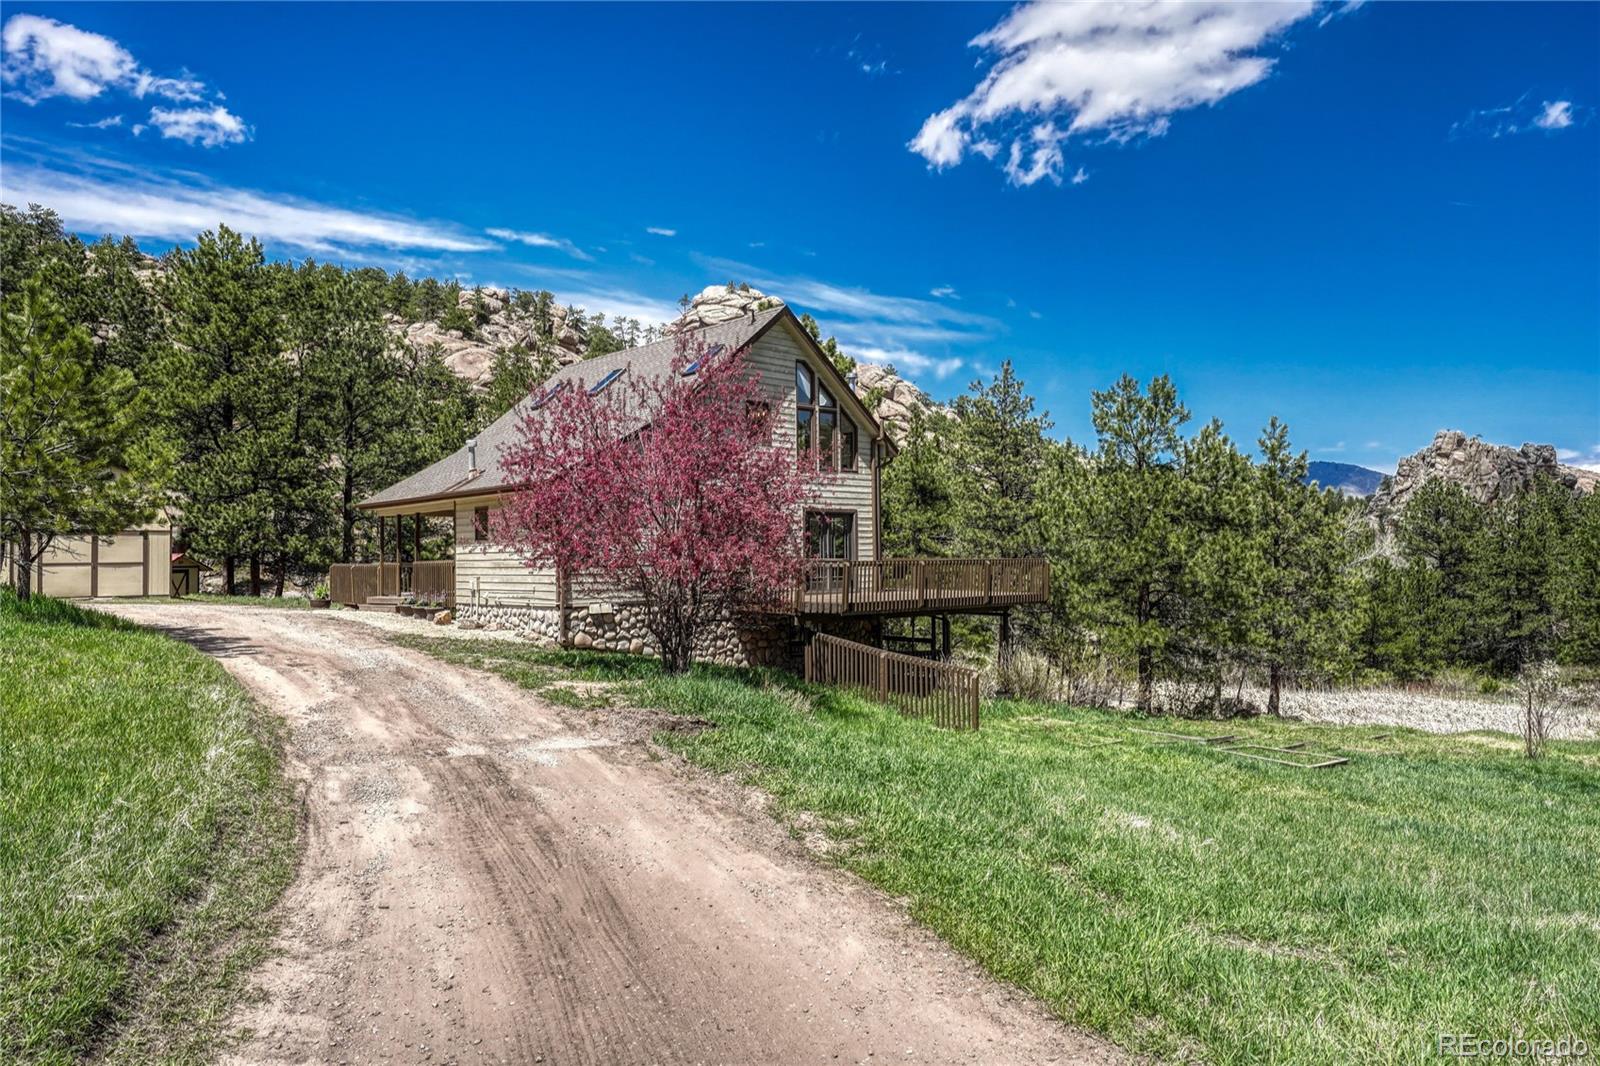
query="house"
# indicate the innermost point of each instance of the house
(130, 562)
(849, 589)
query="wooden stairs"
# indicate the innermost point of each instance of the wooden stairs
(386, 604)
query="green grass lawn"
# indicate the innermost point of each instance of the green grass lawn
(1181, 900)
(292, 602)
(145, 833)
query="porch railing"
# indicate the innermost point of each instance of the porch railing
(356, 583)
(887, 585)
(944, 694)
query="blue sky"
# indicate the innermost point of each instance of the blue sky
(1373, 221)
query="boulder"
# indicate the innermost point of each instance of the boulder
(583, 640)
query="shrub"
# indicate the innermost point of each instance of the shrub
(1026, 675)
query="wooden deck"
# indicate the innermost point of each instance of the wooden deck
(880, 587)
(920, 586)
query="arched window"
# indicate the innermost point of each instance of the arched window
(818, 422)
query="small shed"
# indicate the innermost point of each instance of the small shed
(186, 571)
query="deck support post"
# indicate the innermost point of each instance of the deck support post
(1005, 634)
(944, 646)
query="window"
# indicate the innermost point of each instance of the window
(480, 524)
(818, 422)
(830, 534)
(758, 418)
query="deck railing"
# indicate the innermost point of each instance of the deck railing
(910, 585)
(944, 694)
(357, 583)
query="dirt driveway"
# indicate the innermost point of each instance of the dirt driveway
(489, 878)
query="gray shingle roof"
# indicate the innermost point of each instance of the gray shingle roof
(450, 476)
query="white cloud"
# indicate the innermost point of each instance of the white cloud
(1557, 115)
(205, 126)
(944, 292)
(1035, 315)
(45, 58)
(626, 303)
(908, 361)
(1523, 115)
(1110, 71)
(181, 90)
(106, 123)
(874, 326)
(1080, 177)
(661, 231)
(540, 240)
(113, 199)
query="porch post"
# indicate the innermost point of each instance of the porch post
(416, 537)
(383, 537)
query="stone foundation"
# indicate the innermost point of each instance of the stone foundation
(753, 642)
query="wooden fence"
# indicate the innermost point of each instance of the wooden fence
(358, 583)
(876, 586)
(944, 694)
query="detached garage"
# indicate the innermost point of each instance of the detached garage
(134, 562)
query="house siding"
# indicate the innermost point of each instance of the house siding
(773, 357)
(491, 576)
(488, 576)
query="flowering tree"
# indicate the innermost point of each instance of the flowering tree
(668, 487)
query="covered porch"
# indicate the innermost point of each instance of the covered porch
(400, 571)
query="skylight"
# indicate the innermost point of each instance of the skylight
(547, 395)
(608, 379)
(694, 367)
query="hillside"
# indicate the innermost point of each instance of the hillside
(1348, 478)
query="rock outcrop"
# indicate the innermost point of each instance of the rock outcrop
(506, 327)
(892, 399)
(1488, 472)
(722, 303)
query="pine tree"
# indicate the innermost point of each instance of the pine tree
(1306, 550)
(77, 451)
(222, 379)
(919, 496)
(1514, 578)
(1219, 595)
(1439, 530)
(1576, 585)
(1115, 523)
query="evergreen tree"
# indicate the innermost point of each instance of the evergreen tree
(77, 451)
(997, 451)
(1514, 577)
(512, 376)
(222, 380)
(1306, 549)
(1215, 608)
(1576, 587)
(1440, 530)
(919, 493)
(829, 346)
(1115, 524)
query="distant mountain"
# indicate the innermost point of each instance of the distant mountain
(1347, 478)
